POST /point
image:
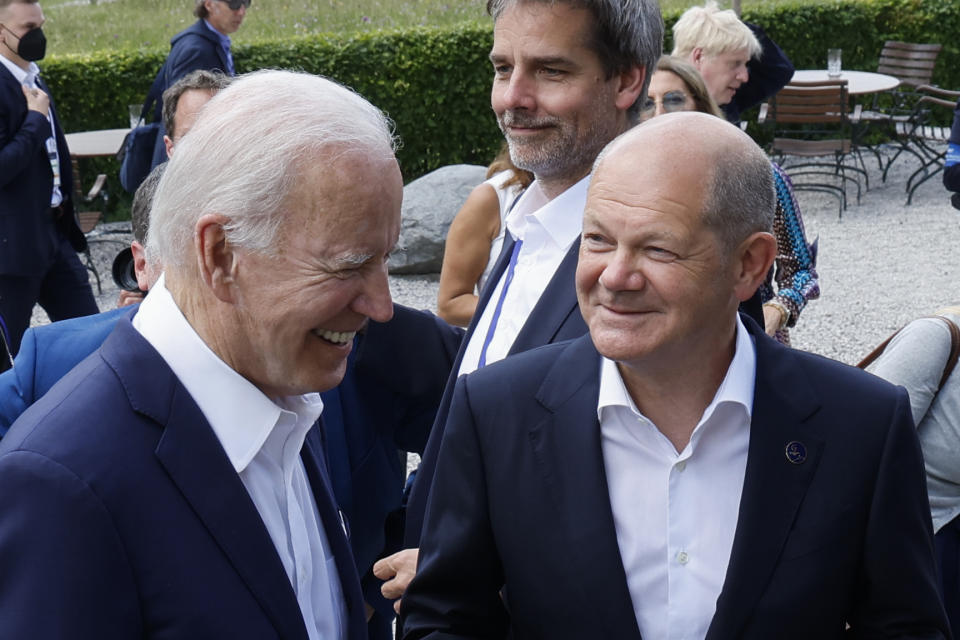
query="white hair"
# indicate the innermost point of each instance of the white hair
(247, 151)
(715, 31)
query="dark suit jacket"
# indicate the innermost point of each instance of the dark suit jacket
(28, 233)
(520, 498)
(556, 317)
(122, 517)
(196, 47)
(386, 404)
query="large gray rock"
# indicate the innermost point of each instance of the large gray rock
(429, 204)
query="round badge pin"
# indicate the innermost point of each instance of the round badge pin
(796, 452)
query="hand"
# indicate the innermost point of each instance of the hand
(127, 298)
(397, 571)
(37, 100)
(772, 319)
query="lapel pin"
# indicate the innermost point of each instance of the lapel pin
(796, 452)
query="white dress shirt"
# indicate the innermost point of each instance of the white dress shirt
(676, 513)
(547, 228)
(29, 78)
(262, 437)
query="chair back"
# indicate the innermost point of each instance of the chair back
(811, 103)
(911, 63)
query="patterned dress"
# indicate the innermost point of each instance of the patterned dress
(794, 269)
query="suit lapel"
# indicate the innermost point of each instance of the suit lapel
(197, 464)
(566, 445)
(773, 487)
(313, 458)
(556, 303)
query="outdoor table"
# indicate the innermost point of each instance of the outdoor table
(858, 82)
(95, 144)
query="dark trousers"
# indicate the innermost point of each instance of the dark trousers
(63, 292)
(947, 543)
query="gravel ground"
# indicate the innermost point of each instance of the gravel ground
(881, 264)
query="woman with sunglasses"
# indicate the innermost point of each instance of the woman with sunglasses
(677, 86)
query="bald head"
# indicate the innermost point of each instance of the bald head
(702, 154)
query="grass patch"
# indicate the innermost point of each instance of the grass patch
(83, 26)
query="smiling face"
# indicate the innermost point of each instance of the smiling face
(723, 73)
(652, 281)
(297, 311)
(223, 18)
(550, 94)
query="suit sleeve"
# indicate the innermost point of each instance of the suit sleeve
(456, 592)
(768, 74)
(19, 144)
(951, 165)
(897, 593)
(64, 573)
(16, 384)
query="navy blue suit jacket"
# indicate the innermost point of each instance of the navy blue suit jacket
(122, 517)
(556, 317)
(46, 354)
(385, 404)
(28, 233)
(520, 499)
(196, 47)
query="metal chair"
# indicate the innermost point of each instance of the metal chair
(912, 64)
(811, 120)
(922, 136)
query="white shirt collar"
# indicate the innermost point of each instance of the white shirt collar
(737, 386)
(241, 416)
(553, 215)
(19, 74)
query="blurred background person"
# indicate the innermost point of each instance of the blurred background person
(676, 86)
(475, 238)
(920, 358)
(740, 65)
(39, 234)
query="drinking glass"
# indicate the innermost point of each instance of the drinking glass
(134, 110)
(834, 57)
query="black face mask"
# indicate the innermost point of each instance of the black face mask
(33, 45)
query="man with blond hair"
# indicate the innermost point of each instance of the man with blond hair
(740, 65)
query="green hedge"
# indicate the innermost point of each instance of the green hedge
(435, 83)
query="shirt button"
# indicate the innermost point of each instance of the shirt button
(683, 558)
(680, 466)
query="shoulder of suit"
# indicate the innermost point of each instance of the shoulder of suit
(197, 29)
(534, 365)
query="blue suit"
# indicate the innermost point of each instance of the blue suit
(368, 419)
(122, 517)
(34, 244)
(839, 535)
(47, 353)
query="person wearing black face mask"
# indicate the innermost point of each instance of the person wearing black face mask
(39, 235)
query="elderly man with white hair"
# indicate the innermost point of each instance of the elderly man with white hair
(171, 486)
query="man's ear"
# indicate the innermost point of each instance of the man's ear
(216, 258)
(696, 57)
(629, 86)
(140, 265)
(752, 262)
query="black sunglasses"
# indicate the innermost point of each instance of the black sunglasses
(236, 4)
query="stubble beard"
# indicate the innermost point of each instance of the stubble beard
(559, 150)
